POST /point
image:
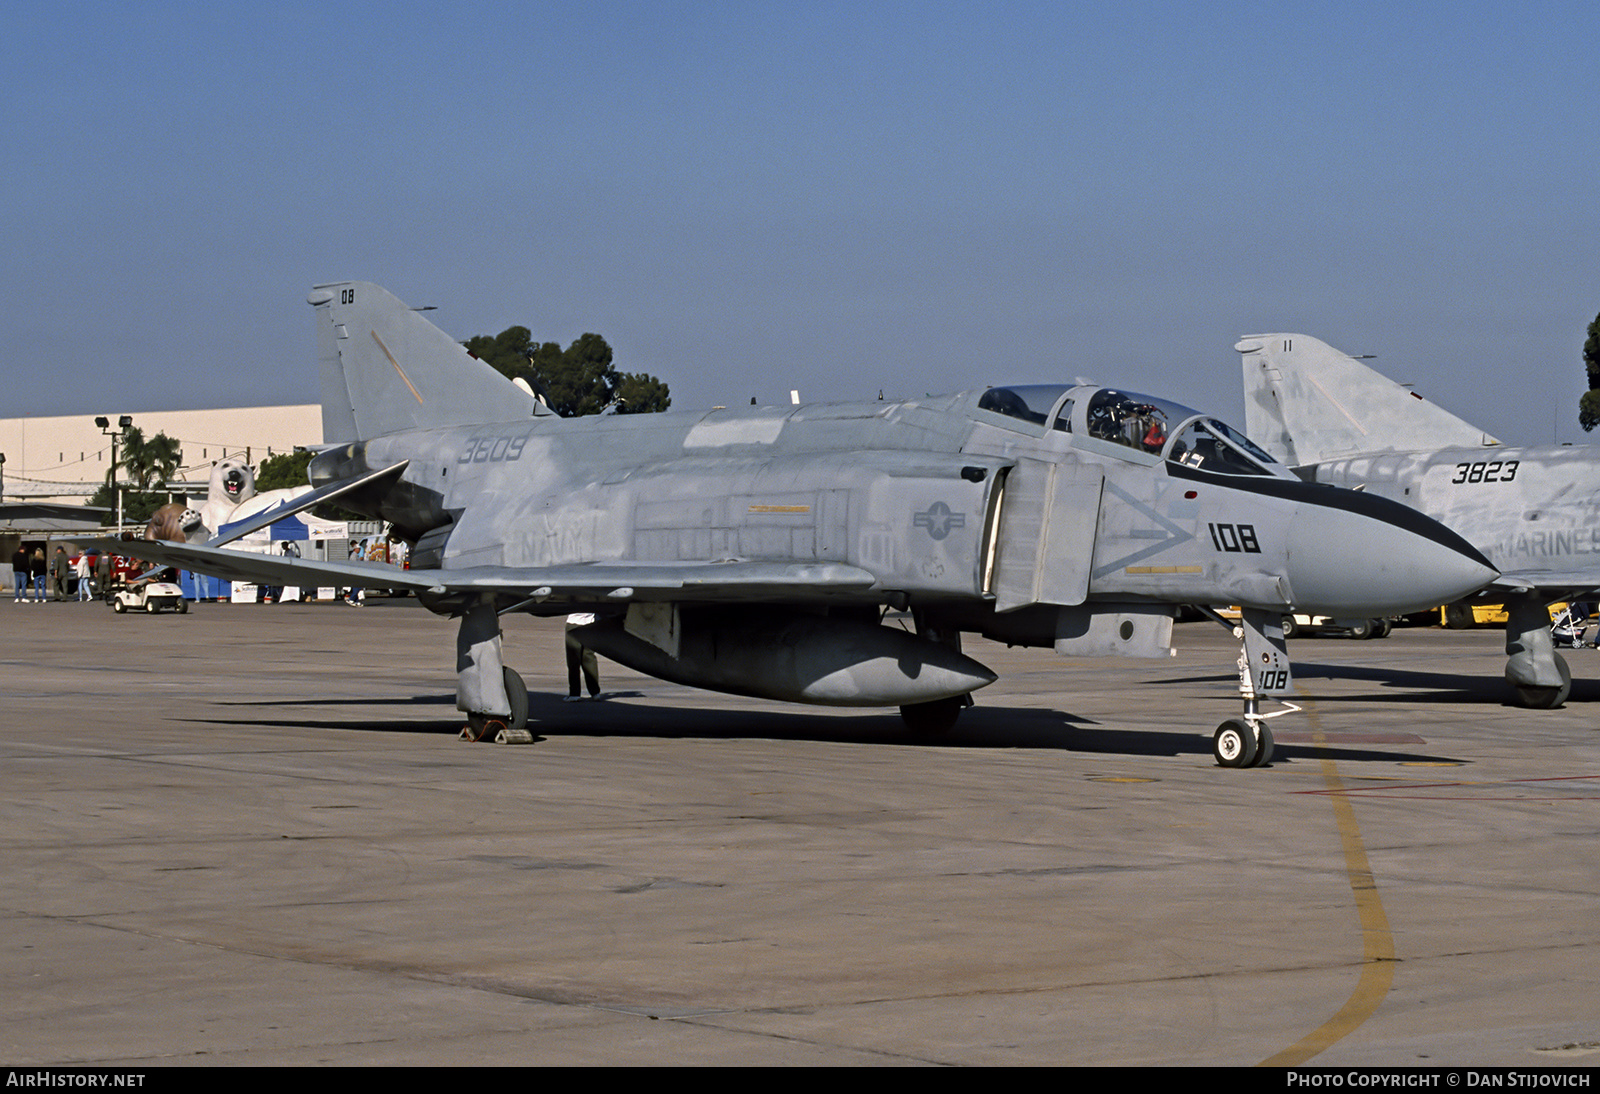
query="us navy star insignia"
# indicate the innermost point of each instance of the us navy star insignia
(938, 519)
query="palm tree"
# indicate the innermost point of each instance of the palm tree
(164, 456)
(148, 462)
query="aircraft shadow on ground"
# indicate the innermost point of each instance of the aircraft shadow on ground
(1440, 687)
(1424, 687)
(980, 727)
(549, 715)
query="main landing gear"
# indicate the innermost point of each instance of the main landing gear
(1538, 673)
(491, 727)
(493, 697)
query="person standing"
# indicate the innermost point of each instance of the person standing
(580, 657)
(289, 550)
(356, 596)
(37, 568)
(60, 570)
(85, 572)
(19, 571)
(102, 573)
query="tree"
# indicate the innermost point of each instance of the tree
(507, 351)
(1589, 405)
(146, 465)
(641, 393)
(284, 472)
(580, 379)
(288, 471)
(138, 506)
(148, 462)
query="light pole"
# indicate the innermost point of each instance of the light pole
(116, 435)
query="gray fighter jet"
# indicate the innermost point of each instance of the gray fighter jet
(758, 550)
(1532, 511)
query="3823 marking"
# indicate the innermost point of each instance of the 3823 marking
(1486, 471)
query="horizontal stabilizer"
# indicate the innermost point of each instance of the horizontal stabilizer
(267, 517)
(1305, 402)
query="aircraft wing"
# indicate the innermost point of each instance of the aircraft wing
(1566, 582)
(50, 510)
(586, 581)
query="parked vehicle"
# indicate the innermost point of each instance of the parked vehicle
(1464, 614)
(148, 596)
(1304, 626)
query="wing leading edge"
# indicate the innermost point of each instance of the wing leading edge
(620, 582)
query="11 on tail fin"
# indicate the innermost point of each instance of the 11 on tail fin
(1306, 402)
(386, 369)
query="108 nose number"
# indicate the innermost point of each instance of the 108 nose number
(1234, 538)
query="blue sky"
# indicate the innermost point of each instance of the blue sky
(745, 198)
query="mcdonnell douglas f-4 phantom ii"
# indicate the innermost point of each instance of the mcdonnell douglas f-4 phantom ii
(755, 550)
(1534, 512)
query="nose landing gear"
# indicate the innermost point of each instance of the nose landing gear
(1264, 670)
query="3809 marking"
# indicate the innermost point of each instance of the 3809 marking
(492, 449)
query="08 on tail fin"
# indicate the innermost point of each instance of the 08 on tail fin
(1306, 402)
(386, 369)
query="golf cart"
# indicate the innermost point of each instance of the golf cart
(148, 596)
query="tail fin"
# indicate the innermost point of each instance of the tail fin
(1305, 402)
(386, 369)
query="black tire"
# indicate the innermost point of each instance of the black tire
(1265, 747)
(517, 692)
(1458, 616)
(1234, 745)
(1362, 630)
(1547, 698)
(118, 606)
(1290, 627)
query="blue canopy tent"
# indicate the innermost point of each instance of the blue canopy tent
(198, 586)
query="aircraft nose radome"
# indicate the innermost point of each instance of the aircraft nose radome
(1371, 557)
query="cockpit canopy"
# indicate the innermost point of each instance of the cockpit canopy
(1144, 423)
(1027, 402)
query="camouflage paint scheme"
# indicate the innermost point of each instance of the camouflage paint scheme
(1533, 512)
(754, 550)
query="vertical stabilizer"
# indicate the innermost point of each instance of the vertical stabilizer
(386, 369)
(1305, 402)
